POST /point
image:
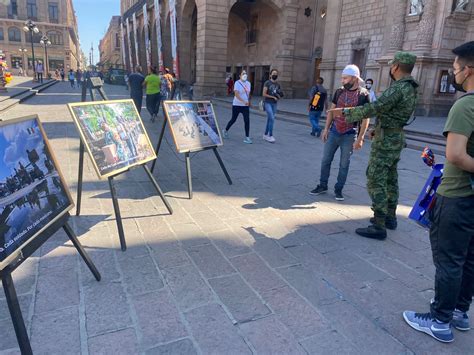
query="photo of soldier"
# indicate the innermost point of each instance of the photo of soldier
(113, 134)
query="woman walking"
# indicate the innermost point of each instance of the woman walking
(152, 84)
(241, 105)
(272, 93)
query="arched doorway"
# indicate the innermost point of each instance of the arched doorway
(188, 42)
(254, 40)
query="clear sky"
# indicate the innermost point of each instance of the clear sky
(93, 17)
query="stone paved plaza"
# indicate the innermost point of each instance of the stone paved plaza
(257, 267)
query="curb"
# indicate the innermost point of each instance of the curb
(425, 137)
(25, 95)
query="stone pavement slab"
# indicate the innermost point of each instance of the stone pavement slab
(256, 267)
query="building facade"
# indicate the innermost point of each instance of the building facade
(110, 46)
(54, 18)
(303, 39)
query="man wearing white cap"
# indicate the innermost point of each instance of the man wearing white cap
(338, 133)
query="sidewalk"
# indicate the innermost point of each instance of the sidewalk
(298, 107)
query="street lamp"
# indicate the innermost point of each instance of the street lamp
(46, 42)
(31, 27)
(23, 53)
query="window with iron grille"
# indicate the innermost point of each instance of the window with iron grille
(13, 9)
(31, 9)
(1, 34)
(53, 10)
(252, 32)
(56, 38)
(14, 34)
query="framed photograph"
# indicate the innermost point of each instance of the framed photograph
(445, 86)
(113, 134)
(33, 193)
(193, 125)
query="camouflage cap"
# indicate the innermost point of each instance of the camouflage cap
(403, 58)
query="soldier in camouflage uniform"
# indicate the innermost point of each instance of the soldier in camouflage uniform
(393, 110)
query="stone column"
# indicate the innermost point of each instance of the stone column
(331, 39)
(397, 32)
(426, 26)
(211, 53)
(286, 52)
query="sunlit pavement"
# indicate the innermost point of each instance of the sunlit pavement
(257, 267)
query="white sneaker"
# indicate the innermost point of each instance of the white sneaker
(265, 137)
(271, 139)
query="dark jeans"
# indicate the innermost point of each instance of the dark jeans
(137, 99)
(314, 120)
(452, 245)
(345, 143)
(236, 111)
(153, 103)
(40, 77)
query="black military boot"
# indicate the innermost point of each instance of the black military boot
(390, 222)
(375, 230)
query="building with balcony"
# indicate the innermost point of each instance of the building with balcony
(110, 46)
(54, 18)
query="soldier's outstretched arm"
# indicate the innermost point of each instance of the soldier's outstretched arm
(385, 102)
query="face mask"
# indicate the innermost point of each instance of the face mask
(274, 77)
(391, 75)
(348, 86)
(457, 86)
(244, 77)
(368, 86)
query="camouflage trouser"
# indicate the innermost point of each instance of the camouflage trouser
(382, 182)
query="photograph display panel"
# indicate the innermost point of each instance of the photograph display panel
(193, 125)
(113, 134)
(33, 193)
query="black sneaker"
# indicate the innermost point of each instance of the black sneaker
(318, 133)
(319, 190)
(313, 134)
(339, 196)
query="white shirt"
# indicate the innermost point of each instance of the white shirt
(372, 97)
(243, 88)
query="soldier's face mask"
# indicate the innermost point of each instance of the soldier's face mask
(391, 75)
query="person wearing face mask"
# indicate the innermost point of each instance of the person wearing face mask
(272, 93)
(241, 105)
(339, 134)
(452, 228)
(393, 109)
(369, 85)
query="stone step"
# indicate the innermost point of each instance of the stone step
(24, 95)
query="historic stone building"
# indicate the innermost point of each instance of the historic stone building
(368, 32)
(54, 18)
(305, 39)
(110, 46)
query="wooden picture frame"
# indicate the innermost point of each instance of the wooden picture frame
(104, 156)
(209, 136)
(22, 192)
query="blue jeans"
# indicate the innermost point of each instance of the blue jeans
(270, 109)
(345, 143)
(314, 119)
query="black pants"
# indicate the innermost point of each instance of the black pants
(137, 99)
(153, 103)
(40, 77)
(452, 244)
(245, 111)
